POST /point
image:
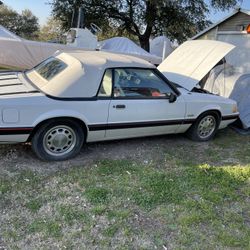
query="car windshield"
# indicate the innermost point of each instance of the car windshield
(50, 68)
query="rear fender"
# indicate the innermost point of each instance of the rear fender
(59, 113)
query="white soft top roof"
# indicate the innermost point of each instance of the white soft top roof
(84, 73)
(108, 59)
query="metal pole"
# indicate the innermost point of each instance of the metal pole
(72, 19)
(164, 52)
(80, 21)
(79, 18)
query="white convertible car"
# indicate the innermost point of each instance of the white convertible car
(77, 97)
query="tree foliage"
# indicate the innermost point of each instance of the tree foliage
(178, 19)
(24, 24)
(51, 31)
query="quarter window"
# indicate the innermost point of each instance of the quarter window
(106, 86)
(141, 83)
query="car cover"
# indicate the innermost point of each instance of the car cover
(125, 46)
(16, 52)
(224, 80)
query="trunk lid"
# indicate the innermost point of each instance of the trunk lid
(14, 83)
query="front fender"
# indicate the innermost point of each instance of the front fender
(206, 108)
(194, 109)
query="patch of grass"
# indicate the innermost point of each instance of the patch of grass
(37, 225)
(11, 234)
(187, 196)
(111, 230)
(97, 194)
(71, 215)
(46, 226)
(156, 188)
(119, 167)
(5, 186)
(27, 178)
(54, 229)
(34, 204)
(215, 184)
(232, 237)
(99, 210)
(118, 214)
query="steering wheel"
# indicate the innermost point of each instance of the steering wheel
(96, 29)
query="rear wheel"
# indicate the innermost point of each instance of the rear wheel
(204, 128)
(58, 140)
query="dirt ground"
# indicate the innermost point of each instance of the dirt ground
(21, 157)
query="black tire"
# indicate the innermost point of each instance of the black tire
(67, 135)
(195, 133)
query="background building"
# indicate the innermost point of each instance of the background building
(234, 29)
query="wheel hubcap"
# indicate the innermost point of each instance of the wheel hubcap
(59, 140)
(206, 126)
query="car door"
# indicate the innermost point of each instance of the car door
(98, 110)
(140, 105)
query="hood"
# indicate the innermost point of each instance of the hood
(13, 83)
(190, 62)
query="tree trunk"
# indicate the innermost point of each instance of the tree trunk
(144, 42)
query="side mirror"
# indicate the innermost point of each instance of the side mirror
(71, 36)
(172, 98)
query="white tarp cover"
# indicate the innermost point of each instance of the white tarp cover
(24, 54)
(239, 57)
(157, 46)
(124, 45)
(190, 62)
(224, 81)
(4, 33)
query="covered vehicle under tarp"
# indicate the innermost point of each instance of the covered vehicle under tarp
(24, 54)
(224, 80)
(161, 46)
(125, 46)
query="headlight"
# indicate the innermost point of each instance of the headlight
(234, 108)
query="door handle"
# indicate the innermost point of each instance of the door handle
(119, 106)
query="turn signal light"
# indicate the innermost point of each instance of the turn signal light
(235, 108)
(248, 29)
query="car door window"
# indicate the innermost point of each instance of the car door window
(139, 83)
(106, 85)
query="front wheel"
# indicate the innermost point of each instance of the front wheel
(58, 140)
(204, 128)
